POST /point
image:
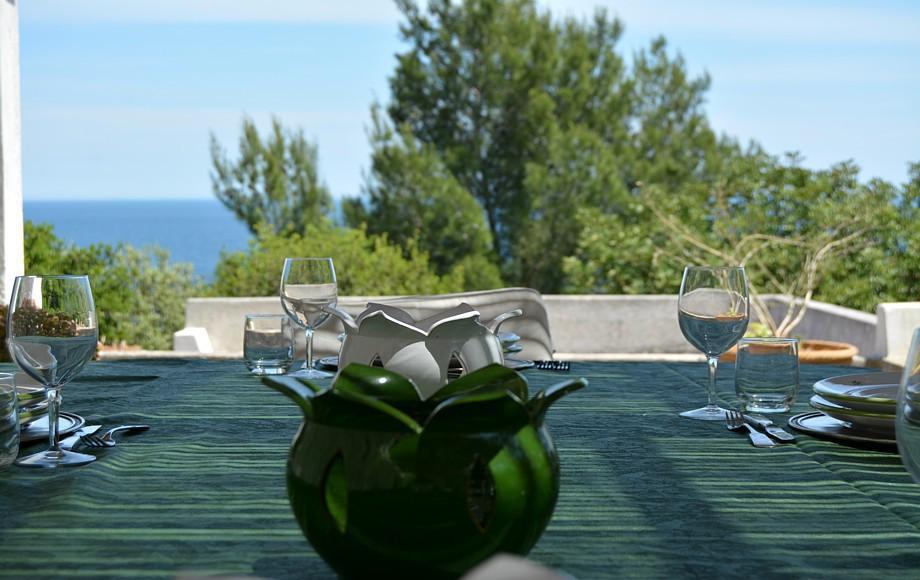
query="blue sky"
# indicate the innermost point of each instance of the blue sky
(119, 97)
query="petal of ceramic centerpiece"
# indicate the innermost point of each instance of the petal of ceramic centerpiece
(383, 384)
(418, 362)
(421, 350)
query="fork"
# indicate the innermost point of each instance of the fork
(734, 421)
(108, 438)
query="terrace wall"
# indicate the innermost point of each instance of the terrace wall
(583, 326)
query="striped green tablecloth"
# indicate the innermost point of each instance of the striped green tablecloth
(644, 492)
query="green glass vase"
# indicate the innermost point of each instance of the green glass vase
(385, 484)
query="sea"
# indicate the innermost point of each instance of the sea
(193, 231)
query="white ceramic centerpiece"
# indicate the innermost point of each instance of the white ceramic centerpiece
(421, 350)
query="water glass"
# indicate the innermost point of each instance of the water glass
(268, 344)
(9, 421)
(767, 373)
(713, 311)
(907, 423)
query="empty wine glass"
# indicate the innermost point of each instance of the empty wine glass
(713, 311)
(308, 285)
(52, 333)
(907, 423)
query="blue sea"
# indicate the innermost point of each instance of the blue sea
(193, 231)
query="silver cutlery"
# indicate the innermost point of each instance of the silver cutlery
(772, 429)
(108, 438)
(552, 365)
(68, 443)
(734, 421)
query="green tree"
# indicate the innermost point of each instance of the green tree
(274, 183)
(800, 232)
(416, 202)
(539, 118)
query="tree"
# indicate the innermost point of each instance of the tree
(416, 202)
(538, 119)
(791, 227)
(274, 183)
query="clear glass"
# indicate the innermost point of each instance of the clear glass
(767, 374)
(907, 424)
(307, 286)
(9, 421)
(52, 332)
(268, 344)
(713, 311)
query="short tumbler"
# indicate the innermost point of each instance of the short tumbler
(9, 421)
(767, 373)
(268, 344)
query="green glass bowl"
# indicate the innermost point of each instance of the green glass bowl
(381, 481)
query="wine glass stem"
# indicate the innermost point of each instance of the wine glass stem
(713, 363)
(54, 405)
(308, 333)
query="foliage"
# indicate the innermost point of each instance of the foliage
(140, 296)
(274, 183)
(365, 265)
(790, 226)
(414, 200)
(539, 118)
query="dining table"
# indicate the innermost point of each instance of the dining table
(644, 493)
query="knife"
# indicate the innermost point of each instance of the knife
(771, 429)
(67, 444)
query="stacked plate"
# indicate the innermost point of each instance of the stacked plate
(31, 398)
(856, 407)
(510, 347)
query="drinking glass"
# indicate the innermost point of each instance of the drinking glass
(907, 423)
(268, 344)
(308, 285)
(52, 332)
(713, 311)
(9, 420)
(767, 373)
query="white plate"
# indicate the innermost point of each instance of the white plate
(821, 425)
(38, 430)
(881, 422)
(873, 392)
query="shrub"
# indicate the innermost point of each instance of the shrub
(364, 265)
(139, 295)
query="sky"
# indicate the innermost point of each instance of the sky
(119, 98)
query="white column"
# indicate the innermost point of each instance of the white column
(11, 242)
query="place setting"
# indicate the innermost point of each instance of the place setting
(52, 333)
(713, 314)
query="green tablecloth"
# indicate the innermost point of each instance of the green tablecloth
(644, 492)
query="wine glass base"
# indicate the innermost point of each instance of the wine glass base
(52, 459)
(308, 373)
(707, 413)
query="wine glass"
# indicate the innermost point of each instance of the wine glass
(907, 423)
(51, 333)
(308, 285)
(713, 311)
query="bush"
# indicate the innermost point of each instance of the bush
(139, 295)
(364, 265)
